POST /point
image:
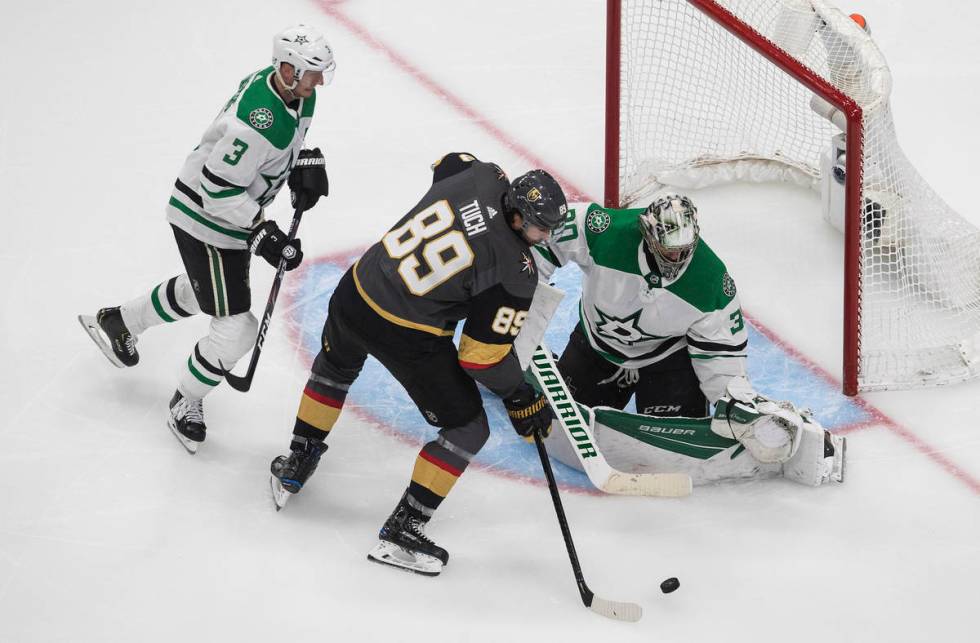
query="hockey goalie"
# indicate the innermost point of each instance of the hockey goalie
(660, 319)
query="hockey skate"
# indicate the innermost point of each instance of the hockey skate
(290, 473)
(187, 421)
(110, 334)
(405, 545)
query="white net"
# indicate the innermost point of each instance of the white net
(699, 107)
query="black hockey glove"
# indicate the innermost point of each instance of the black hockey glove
(270, 243)
(308, 179)
(529, 412)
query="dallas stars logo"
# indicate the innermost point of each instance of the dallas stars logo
(598, 221)
(261, 118)
(301, 40)
(273, 182)
(625, 330)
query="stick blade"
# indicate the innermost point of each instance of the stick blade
(628, 612)
(238, 383)
(660, 485)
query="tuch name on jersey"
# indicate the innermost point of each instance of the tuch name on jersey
(473, 219)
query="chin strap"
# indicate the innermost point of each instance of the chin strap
(287, 89)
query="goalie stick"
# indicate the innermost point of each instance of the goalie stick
(244, 382)
(630, 612)
(570, 418)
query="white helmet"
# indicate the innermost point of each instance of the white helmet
(670, 228)
(305, 49)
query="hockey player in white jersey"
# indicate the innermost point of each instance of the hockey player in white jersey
(660, 318)
(216, 211)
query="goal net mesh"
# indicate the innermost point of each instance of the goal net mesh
(698, 106)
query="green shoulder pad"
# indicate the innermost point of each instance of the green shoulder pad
(614, 238)
(705, 284)
(261, 109)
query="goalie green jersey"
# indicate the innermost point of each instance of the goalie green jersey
(632, 315)
(241, 163)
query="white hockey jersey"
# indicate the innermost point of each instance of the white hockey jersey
(241, 163)
(631, 315)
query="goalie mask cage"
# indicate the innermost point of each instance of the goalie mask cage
(700, 92)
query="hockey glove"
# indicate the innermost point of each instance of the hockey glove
(308, 179)
(529, 412)
(270, 243)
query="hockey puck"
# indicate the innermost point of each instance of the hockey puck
(669, 585)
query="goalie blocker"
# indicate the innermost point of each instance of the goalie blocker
(749, 436)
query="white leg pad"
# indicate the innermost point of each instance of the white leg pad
(227, 341)
(810, 465)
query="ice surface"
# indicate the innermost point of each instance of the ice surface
(110, 531)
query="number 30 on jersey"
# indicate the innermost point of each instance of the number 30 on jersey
(444, 253)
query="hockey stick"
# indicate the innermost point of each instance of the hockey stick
(602, 475)
(611, 609)
(244, 382)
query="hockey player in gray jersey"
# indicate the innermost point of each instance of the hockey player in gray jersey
(462, 253)
(216, 211)
(660, 318)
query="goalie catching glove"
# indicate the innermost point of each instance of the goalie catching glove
(272, 244)
(529, 412)
(778, 432)
(308, 179)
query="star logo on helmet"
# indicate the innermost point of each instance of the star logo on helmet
(301, 39)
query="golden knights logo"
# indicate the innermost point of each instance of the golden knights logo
(260, 118)
(534, 194)
(527, 264)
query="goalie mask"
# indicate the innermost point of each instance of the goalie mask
(538, 198)
(670, 229)
(305, 49)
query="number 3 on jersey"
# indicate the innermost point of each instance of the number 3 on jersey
(444, 253)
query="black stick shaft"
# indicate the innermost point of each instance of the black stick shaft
(244, 382)
(563, 522)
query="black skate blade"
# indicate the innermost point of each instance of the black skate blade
(189, 445)
(387, 553)
(92, 328)
(280, 495)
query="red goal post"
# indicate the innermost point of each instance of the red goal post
(739, 77)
